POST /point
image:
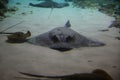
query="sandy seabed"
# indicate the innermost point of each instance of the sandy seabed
(41, 60)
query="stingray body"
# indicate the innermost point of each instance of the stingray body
(49, 4)
(63, 38)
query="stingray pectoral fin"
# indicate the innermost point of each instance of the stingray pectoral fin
(31, 4)
(95, 43)
(61, 5)
(42, 40)
(36, 5)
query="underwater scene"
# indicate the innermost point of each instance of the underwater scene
(59, 39)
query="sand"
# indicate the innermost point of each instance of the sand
(25, 57)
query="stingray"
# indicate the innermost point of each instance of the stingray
(49, 4)
(63, 39)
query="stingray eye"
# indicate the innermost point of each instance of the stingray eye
(70, 39)
(54, 39)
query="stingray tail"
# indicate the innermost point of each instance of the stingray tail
(28, 74)
(40, 76)
(51, 11)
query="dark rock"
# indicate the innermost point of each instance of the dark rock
(3, 7)
(115, 23)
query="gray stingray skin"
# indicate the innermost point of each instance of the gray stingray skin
(49, 4)
(63, 38)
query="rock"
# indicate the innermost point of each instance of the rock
(3, 7)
